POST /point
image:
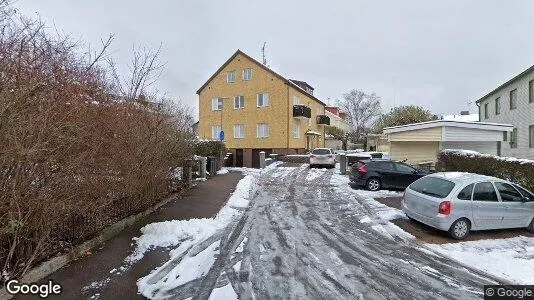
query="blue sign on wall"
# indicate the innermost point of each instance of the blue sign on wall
(221, 135)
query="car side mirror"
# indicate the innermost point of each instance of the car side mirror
(525, 199)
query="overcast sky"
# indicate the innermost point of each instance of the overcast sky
(437, 54)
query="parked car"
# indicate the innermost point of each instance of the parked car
(375, 174)
(461, 202)
(322, 157)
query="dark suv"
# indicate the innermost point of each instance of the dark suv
(375, 174)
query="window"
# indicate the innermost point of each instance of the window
(466, 192)
(527, 194)
(432, 186)
(239, 102)
(513, 99)
(296, 131)
(508, 193)
(247, 74)
(504, 136)
(321, 151)
(385, 166)
(216, 104)
(531, 91)
(215, 130)
(239, 131)
(296, 100)
(531, 136)
(513, 138)
(263, 100)
(262, 130)
(484, 191)
(498, 106)
(230, 76)
(486, 112)
(404, 168)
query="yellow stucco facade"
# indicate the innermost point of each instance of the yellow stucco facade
(278, 114)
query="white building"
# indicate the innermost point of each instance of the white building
(421, 142)
(513, 103)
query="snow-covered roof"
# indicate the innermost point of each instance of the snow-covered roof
(312, 133)
(469, 118)
(450, 123)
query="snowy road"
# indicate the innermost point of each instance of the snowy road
(306, 235)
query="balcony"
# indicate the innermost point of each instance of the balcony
(323, 120)
(301, 112)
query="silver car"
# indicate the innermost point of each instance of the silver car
(322, 157)
(460, 202)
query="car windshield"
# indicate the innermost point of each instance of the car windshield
(321, 151)
(433, 186)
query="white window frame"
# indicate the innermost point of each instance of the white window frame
(296, 131)
(265, 99)
(216, 104)
(215, 131)
(245, 74)
(296, 100)
(235, 102)
(239, 131)
(230, 79)
(262, 130)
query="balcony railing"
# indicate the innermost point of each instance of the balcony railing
(323, 120)
(301, 111)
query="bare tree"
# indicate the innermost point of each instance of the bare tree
(144, 70)
(361, 108)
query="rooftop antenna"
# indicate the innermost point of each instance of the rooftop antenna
(264, 60)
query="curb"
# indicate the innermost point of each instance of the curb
(48, 267)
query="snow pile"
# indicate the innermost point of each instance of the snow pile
(222, 171)
(314, 174)
(188, 260)
(511, 259)
(297, 155)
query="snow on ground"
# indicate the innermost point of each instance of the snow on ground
(511, 259)
(315, 173)
(381, 214)
(222, 171)
(384, 212)
(186, 263)
(226, 292)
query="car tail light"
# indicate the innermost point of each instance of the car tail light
(363, 169)
(312, 156)
(445, 207)
(330, 156)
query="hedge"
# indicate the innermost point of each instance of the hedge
(520, 171)
(210, 148)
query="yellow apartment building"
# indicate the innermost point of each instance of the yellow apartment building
(259, 110)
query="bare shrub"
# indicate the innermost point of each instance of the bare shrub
(76, 156)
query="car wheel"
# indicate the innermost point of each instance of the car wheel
(373, 184)
(460, 229)
(530, 227)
